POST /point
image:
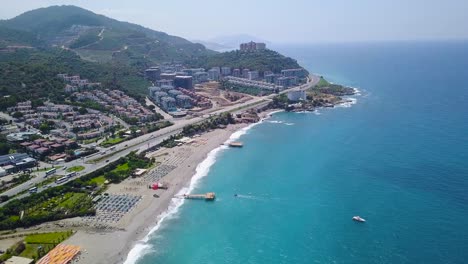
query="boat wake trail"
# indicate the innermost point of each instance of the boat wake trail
(252, 197)
(280, 122)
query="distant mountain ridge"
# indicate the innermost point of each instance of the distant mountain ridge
(215, 46)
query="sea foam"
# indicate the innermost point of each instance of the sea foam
(280, 122)
(142, 247)
(348, 102)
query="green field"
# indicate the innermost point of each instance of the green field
(47, 238)
(121, 168)
(122, 171)
(112, 141)
(75, 169)
(98, 180)
(322, 83)
(32, 250)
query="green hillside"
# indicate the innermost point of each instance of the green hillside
(13, 37)
(69, 39)
(32, 74)
(266, 60)
(99, 38)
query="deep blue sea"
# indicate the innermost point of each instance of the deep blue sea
(398, 157)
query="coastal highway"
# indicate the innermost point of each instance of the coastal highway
(141, 143)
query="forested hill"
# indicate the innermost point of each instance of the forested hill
(39, 44)
(261, 60)
(32, 74)
(99, 38)
(12, 37)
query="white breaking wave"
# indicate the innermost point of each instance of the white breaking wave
(275, 122)
(315, 112)
(142, 247)
(356, 91)
(347, 103)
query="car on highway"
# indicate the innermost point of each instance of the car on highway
(107, 160)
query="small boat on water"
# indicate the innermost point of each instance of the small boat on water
(357, 218)
(236, 144)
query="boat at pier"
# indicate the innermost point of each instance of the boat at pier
(211, 196)
(236, 144)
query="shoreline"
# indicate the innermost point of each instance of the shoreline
(202, 169)
(138, 225)
(139, 247)
(131, 234)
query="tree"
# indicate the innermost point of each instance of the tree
(112, 176)
(44, 127)
(82, 111)
(4, 148)
(20, 247)
(112, 131)
(17, 115)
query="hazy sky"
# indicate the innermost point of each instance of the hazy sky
(281, 20)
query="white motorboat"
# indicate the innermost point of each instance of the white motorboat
(357, 218)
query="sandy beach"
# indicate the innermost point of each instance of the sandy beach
(111, 243)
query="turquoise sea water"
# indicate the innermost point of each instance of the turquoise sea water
(398, 157)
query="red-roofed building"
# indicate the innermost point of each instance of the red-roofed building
(42, 150)
(69, 142)
(47, 144)
(39, 141)
(33, 147)
(57, 156)
(26, 144)
(60, 140)
(56, 145)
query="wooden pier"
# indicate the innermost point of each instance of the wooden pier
(207, 196)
